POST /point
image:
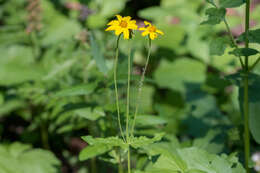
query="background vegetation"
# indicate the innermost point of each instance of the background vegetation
(56, 85)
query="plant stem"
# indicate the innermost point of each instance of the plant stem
(127, 107)
(254, 65)
(246, 100)
(116, 91)
(141, 85)
(129, 160)
(233, 41)
(93, 165)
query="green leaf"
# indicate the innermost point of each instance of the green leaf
(253, 36)
(244, 52)
(137, 142)
(231, 3)
(254, 120)
(175, 75)
(99, 146)
(219, 45)
(98, 55)
(93, 151)
(20, 158)
(84, 89)
(149, 120)
(90, 114)
(211, 2)
(215, 16)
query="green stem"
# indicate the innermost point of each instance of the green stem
(93, 165)
(127, 107)
(246, 100)
(116, 90)
(129, 160)
(233, 41)
(45, 136)
(141, 85)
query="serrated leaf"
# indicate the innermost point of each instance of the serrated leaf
(84, 89)
(231, 3)
(215, 16)
(137, 142)
(244, 52)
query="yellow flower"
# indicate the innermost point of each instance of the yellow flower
(122, 25)
(151, 30)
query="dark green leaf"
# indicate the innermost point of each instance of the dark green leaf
(254, 120)
(231, 3)
(211, 2)
(244, 52)
(93, 151)
(215, 16)
(253, 36)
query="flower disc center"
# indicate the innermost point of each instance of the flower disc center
(123, 24)
(152, 29)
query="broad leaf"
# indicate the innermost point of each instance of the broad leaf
(219, 45)
(253, 36)
(215, 16)
(20, 158)
(231, 3)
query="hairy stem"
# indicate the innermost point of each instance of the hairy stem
(141, 86)
(246, 100)
(116, 90)
(127, 106)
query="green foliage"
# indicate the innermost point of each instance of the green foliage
(215, 16)
(253, 36)
(20, 158)
(219, 45)
(244, 52)
(231, 3)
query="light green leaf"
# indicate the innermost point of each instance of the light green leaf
(137, 142)
(93, 151)
(175, 75)
(149, 120)
(20, 158)
(90, 114)
(84, 89)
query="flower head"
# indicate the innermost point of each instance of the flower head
(151, 30)
(122, 25)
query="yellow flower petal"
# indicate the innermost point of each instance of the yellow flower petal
(111, 28)
(147, 23)
(145, 33)
(142, 29)
(113, 22)
(153, 36)
(118, 31)
(159, 31)
(119, 18)
(126, 34)
(132, 26)
(127, 18)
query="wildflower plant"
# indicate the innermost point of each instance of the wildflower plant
(124, 27)
(247, 79)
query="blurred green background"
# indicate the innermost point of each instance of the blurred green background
(56, 81)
